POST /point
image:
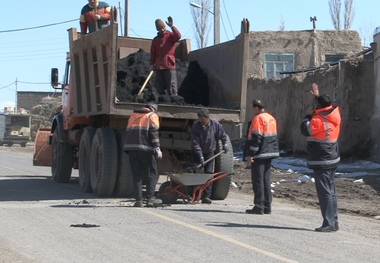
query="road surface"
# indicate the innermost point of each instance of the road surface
(42, 221)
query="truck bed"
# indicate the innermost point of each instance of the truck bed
(94, 59)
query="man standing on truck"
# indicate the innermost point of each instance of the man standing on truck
(261, 148)
(205, 135)
(95, 15)
(162, 59)
(143, 146)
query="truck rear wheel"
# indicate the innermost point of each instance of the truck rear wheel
(103, 165)
(124, 182)
(61, 159)
(225, 164)
(85, 158)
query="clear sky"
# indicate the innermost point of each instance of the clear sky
(28, 55)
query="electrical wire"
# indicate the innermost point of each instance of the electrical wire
(228, 18)
(36, 27)
(8, 85)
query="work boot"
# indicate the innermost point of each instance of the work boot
(153, 201)
(138, 203)
(206, 200)
(255, 210)
(267, 210)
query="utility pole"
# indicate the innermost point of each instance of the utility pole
(15, 110)
(126, 18)
(216, 22)
(121, 24)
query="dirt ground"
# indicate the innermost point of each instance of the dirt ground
(361, 199)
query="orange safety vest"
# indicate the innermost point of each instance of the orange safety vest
(262, 137)
(142, 131)
(322, 131)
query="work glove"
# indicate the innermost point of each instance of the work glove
(158, 153)
(201, 162)
(225, 148)
(170, 21)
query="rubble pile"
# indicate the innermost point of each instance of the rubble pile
(42, 114)
(133, 70)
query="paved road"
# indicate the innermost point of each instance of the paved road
(40, 219)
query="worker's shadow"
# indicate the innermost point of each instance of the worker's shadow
(228, 224)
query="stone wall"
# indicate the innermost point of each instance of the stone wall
(349, 84)
(29, 99)
(309, 47)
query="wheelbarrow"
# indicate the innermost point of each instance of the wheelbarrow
(179, 184)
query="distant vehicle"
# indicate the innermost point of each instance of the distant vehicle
(15, 129)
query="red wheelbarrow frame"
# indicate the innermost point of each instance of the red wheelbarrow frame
(181, 189)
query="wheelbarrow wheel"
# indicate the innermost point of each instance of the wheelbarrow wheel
(167, 193)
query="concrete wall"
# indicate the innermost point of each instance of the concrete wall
(375, 121)
(350, 85)
(309, 47)
(29, 99)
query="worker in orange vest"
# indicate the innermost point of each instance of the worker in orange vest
(142, 143)
(321, 126)
(261, 148)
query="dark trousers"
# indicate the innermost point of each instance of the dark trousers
(261, 183)
(326, 191)
(143, 165)
(208, 168)
(166, 82)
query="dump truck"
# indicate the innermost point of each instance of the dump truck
(15, 129)
(87, 134)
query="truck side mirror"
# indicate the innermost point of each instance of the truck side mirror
(54, 77)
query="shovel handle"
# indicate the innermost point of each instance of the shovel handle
(211, 158)
(146, 82)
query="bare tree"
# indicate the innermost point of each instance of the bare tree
(335, 6)
(282, 24)
(349, 13)
(201, 21)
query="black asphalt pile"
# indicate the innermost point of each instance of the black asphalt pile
(133, 70)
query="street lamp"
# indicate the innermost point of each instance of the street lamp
(216, 15)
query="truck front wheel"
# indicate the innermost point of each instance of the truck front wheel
(62, 159)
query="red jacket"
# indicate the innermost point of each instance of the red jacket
(162, 49)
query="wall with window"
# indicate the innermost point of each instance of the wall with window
(272, 52)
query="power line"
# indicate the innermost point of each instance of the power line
(27, 82)
(8, 85)
(29, 28)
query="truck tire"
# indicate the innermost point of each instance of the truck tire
(124, 182)
(84, 159)
(23, 144)
(103, 164)
(61, 159)
(225, 164)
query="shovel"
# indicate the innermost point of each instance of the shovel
(210, 159)
(139, 95)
